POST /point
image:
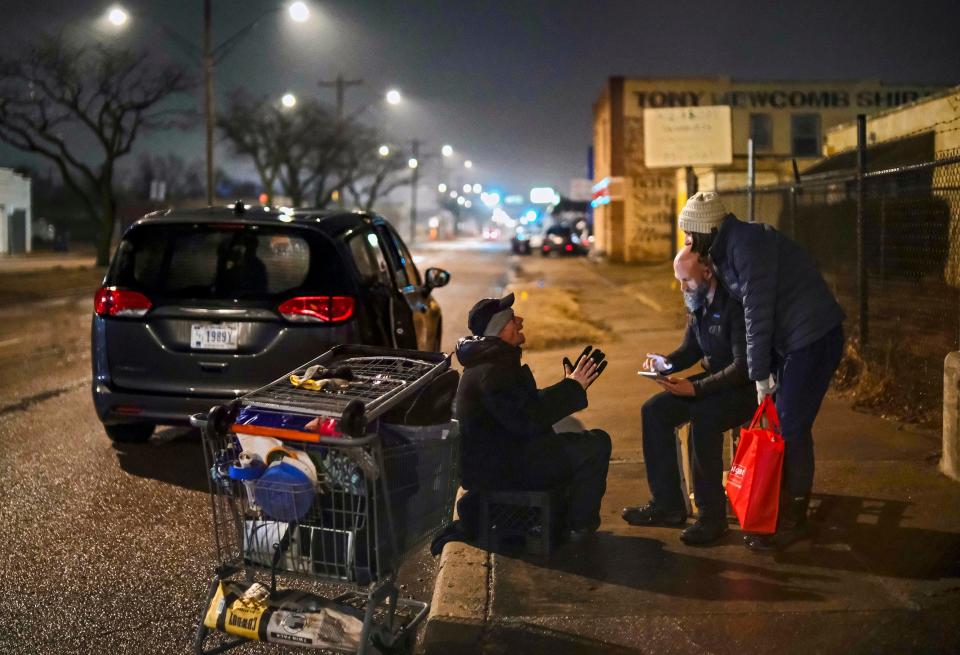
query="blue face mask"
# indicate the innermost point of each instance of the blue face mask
(697, 298)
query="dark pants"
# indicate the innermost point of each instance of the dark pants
(575, 460)
(803, 377)
(708, 416)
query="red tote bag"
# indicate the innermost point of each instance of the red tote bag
(753, 484)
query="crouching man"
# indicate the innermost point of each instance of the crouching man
(506, 423)
(718, 399)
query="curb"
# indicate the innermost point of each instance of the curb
(458, 612)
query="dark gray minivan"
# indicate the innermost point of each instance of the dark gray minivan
(201, 306)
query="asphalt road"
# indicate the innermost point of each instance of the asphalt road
(107, 548)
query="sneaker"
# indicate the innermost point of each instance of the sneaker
(703, 533)
(651, 514)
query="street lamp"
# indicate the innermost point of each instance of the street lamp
(477, 188)
(117, 16)
(446, 150)
(412, 162)
(442, 188)
(394, 97)
(299, 12)
(467, 188)
(288, 100)
(468, 164)
(383, 150)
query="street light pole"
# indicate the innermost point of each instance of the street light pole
(208, 91)
(415, 178)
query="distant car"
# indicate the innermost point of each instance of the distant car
(201, 306)
(526, 239)
(491, 233)
(563, 240)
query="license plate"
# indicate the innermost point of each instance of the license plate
(214, 336)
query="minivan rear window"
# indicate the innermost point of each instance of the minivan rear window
(209, 261)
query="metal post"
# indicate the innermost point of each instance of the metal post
(861, 229)
(208, 91)
(414, 180)
(751, 180)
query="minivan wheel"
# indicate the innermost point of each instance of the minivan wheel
(129, 432)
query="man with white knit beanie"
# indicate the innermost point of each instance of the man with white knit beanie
(794, 336)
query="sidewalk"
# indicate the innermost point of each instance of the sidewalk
(882, 576)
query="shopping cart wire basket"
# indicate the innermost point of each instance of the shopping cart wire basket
(316, 485)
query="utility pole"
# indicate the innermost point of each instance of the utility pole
(208, 92)
(340, 86)
(414, 180)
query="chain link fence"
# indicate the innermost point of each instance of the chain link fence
(899, 287)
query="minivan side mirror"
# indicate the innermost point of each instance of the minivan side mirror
(435, 277)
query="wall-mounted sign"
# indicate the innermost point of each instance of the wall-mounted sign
(687, 136)
(607, 190)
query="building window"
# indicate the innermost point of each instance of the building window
(805, 135)
(761, 131)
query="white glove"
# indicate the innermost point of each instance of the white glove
(657, 363)
(766, 387)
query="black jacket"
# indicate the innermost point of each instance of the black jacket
(786, 303)
(715, 334)
(500, 408)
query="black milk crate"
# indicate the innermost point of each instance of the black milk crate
(532, 518)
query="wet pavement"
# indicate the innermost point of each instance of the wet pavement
(881, 575)
(107, 548)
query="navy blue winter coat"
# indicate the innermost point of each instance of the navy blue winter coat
(786, 302)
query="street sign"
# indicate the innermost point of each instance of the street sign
(687, 136)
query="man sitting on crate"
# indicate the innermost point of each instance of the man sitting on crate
(716, 400)
(506, 422)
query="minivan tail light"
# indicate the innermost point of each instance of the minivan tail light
(318, 309)
(111, 301)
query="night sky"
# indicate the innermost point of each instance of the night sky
(511, 84)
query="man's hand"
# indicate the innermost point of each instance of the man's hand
(677, 386)
(585, 372)
(766, 387)
(657, 363)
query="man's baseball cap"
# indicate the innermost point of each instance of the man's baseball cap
(488, 317)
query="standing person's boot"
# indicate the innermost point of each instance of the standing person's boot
(791, 527)
(793, 523)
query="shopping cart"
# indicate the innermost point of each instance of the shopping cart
(314, 484)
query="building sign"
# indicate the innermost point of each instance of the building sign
(687, 136)
(607, 190)
(640, 94)
(778, 99)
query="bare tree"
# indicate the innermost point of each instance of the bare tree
(252, 128)
(306, 154)
(56, 98)
(182, 179)
(374, 176)
(298, 149)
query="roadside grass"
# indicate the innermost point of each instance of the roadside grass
(58, 281)
(553, 318)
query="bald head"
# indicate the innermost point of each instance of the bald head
(686, 261)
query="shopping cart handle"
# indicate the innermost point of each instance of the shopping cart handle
(199, 420)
